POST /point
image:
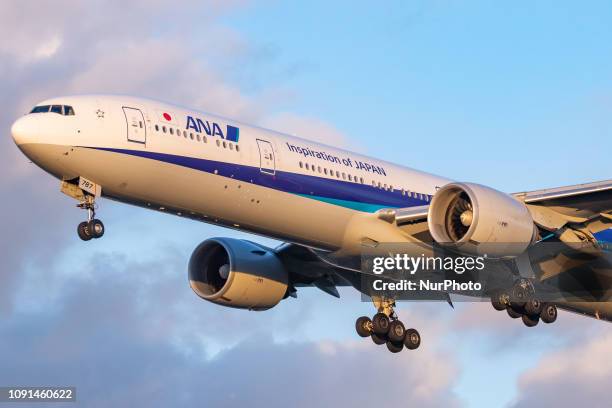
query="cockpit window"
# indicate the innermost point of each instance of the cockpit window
(40, 109)
(64, 110)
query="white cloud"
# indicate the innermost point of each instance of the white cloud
(48, 48)
(307, 128)
(575, 375)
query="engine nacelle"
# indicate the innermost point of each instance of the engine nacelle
(477, 219)
(237, 273)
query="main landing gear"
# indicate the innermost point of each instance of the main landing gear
(386, 328)
(93, 227)
(521, 302)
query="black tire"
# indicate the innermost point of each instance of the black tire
(513, 313)
(412, 340)
(377, 339)
(519, 296)
(363, 326)
(533, 307)
(530, 321)
(380, 324)
(395, 347)
(83, 231)
(96, 228)
(549, 313)
(498, 300)
(397, 331)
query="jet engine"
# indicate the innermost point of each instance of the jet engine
(237, 273)
(477, 219)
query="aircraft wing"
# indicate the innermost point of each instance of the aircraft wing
(580, 200)
(575, 203)
(589, 205)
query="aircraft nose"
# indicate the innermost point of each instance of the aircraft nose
(24, 130)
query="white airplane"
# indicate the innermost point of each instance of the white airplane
(325, 203)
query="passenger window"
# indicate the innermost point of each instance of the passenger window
(231, 146)
(140, 123)
(301, 165)
(325, 170)
(164, 129)
(199, 137)
(237, 148)
(307, 166)
(361, 180)
(224, 144)
(171, 131)
(204, 139)
(157, 128)
(218, 142)
(68, 111)
(319, 167)
(350, 177)
(190, 135)
(337, 174)
(57, 109)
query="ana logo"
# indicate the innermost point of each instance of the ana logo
(232, 133)
(167, 117)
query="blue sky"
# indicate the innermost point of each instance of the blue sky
(515, 96)
(479, 91)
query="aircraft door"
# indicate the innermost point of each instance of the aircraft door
(267, 161)
(136, 127)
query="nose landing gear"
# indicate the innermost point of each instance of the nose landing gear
(386, 328)
(85, 192)
(93, 227)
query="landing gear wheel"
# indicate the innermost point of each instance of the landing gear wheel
(397, 332)
(549, 313)
(377, 339)
(412, 340)
(380, 324)
(513, 313)
(533, 307)
(83, 231)
(363, 325)
(395, 347)
(96, 228)
(530, 321)
(499, 300)
(519, 296)
(93, 227)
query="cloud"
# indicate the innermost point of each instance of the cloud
(306, 128)
(571, 376)
(131, 333)
(503, 332)
(68, 46)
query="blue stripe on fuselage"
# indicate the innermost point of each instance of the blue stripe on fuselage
(356, 196)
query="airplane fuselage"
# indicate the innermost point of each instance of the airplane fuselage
(208, 168)
(205, 167)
